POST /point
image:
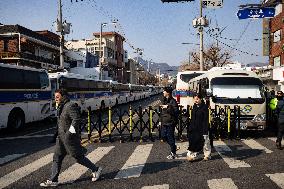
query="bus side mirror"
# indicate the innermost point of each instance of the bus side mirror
(209, 92)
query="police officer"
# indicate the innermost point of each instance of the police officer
(68, 140)
(280, 123)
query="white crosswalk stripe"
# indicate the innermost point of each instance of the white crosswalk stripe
(24, 171)
(277, 178)
(224, 183)
(134, 165)
(76, 171)
(164, 186)
(255, 145)
(222, 150)
(10, 158)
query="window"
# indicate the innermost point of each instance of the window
(11, 78)
(44, 81)
(276, 61)
(32, 80)
(277, 36)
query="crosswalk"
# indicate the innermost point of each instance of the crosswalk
(136, 162)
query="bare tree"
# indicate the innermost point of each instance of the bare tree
(213, 56)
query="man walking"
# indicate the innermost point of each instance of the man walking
(168, 120)
(280, 123)
(68, 140)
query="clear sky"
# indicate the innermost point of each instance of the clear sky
(158, 28)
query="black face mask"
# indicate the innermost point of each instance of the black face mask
(279, 97)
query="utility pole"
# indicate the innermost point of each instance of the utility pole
(201, 39)
(60, 26)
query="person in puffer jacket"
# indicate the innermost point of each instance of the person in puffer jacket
(68, 139)
(169, 116)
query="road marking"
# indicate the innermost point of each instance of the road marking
(274, 139)
(164, 186)
(39, 131)
(182, 152)
(76, 171)
(278, 178)
(26, 137)
(134, 165)
(10, 158)
(24, 171)
(222, 150)
(255, 145)
(223, 183)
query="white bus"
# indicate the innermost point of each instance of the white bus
(90, 93)
(235, 87)
(183, 93)
(25, 96)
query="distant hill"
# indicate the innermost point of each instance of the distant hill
(154, 67)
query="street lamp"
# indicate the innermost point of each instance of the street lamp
(100, 46)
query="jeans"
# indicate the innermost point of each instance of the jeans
(60, 153)
(168, 134)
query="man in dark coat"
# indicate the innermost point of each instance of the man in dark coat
(280, 114)
(68, 140)
(198, 137)
(169, 115)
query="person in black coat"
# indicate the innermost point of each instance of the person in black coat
(68, 139)
(169, 115)
(198, 137)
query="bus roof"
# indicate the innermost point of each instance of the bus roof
(21, 67)
(225, 73)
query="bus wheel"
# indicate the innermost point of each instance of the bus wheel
(16, 119)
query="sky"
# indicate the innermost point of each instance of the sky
(157, 28)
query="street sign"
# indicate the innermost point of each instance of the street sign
(175, 1)
(212, 3)
(254, 13)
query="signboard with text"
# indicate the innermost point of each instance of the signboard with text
(254, 13)
(212, 3)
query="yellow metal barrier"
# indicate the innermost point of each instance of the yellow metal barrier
(151, 120)
(130, 119)
(229, 120)
(109, 120)
(89, 122)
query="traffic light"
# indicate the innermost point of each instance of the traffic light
(175, 1)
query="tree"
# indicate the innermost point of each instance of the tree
(213, 56)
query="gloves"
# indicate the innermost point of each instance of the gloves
(72, 129)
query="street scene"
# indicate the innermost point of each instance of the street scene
(128, 94)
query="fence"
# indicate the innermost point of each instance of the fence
(139, 124)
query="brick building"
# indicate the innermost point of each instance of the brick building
(22, 46)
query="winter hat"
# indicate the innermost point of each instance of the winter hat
(168, 89)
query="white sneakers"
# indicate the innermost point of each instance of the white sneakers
(97, 174)
(49, 183)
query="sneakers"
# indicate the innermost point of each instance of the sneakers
(172, 156)
(190, 158)
(97, 174)
(206, 158)
(49, 183)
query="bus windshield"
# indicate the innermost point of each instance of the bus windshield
(243, 89)
(187, 77)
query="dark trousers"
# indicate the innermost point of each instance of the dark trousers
(168, 134)
(61, 151)
(280, 132)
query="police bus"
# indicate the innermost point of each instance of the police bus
(94, 94)
(183, 92)
(234, 87)
(25, 96)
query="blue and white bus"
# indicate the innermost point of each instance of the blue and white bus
(25, 96)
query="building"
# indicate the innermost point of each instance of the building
(112, 58)
(22, 46)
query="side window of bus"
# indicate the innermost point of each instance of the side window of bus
(32, 80)
(11, 79)
(44, 82)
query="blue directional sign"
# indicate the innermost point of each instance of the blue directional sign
(254, 13)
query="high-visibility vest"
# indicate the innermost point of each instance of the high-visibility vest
(273, 103)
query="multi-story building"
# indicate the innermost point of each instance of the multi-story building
(116, 53)
(22, 46)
